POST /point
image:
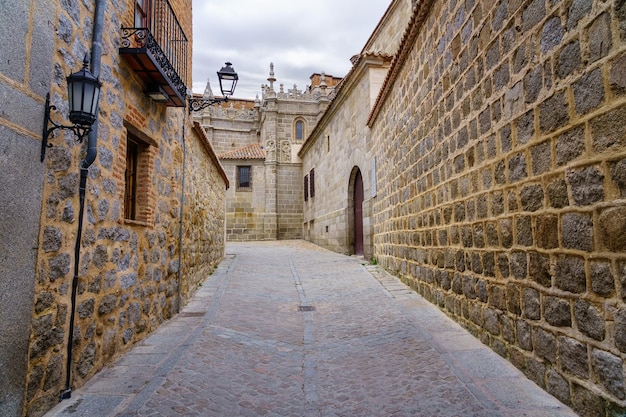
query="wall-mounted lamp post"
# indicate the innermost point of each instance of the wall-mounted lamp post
(83, 92)
(228, 81)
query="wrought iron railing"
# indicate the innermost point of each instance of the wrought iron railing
(166, 41)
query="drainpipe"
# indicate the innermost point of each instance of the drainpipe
(182, 210)
(92, 150)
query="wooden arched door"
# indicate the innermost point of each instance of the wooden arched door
(358, 214)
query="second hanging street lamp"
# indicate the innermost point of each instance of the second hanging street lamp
(228, 81)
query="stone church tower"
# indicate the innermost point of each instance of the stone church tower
(258, 143)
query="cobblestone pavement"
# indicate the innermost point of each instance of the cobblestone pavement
(289, 329)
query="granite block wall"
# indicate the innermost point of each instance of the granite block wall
(500, 143)
(24, 81)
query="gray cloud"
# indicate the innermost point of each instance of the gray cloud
(299, 37)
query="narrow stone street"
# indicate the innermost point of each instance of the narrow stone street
(289, 329)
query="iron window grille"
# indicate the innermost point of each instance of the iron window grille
(244, 178)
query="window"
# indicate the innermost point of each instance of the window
(142, 13)
(299, 130)
(306, 188)
(312, 182)
(139, 201)
(244, 178)
(130, 194)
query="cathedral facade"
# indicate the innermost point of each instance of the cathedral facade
(258, 142)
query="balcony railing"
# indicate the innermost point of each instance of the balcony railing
(158, 53)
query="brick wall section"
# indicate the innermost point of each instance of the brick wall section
(129, 270)
(501, 152)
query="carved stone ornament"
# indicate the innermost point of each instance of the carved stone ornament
(285, 151)
(270, 150)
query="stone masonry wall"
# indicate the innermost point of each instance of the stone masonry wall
(245, 209)
(204, 221)
(501, 150)
(388, 34)
(129, 269)
(289, 201)
(229, 126)
(336, 150)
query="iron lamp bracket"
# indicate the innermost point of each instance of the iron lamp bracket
(197, 104)
(79, 130)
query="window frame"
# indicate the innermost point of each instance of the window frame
(142, 13)
(130, 177)
(299, 122)
(240, 169)
(143, 195)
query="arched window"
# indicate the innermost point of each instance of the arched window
(299, 131)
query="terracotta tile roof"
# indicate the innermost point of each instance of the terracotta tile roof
(253, 151)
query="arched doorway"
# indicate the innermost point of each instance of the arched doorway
(358, 213)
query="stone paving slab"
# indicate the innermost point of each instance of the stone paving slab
(290, 329)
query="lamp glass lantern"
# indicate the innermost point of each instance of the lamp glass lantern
(228, 79)
(83, 90)
(83, 93)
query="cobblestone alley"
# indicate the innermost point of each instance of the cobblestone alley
(289, 329)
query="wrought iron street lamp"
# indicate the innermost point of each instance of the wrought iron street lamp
(83, 92)
(228, 81)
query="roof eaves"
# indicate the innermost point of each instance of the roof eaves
(249, 152)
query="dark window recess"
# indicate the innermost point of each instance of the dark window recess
(244, 178)
(312, 182)
(306, 188)
(130, 193)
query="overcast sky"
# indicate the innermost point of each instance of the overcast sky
(299, 37)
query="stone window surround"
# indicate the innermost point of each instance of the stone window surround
(302, 133)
